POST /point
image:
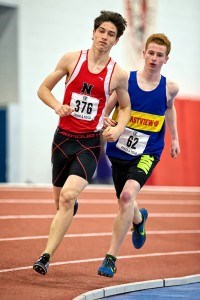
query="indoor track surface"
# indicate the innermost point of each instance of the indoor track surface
(172, 248)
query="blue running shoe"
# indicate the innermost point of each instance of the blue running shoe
(75, 207)
(138, 230)
(42, 264)
(108, 268)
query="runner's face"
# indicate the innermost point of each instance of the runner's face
(155, 56)
(105, 36)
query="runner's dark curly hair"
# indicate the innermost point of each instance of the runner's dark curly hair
(113, 17)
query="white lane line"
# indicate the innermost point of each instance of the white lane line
(38, 187)
(102, 216)
(100, 259)
(79, 235)
(27, 201)
(99, 201)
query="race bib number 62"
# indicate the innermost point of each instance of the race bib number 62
(132, 142)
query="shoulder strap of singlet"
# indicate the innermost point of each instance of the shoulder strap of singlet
(110, 69)
(81, 59)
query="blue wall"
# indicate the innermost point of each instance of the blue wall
(3, 144)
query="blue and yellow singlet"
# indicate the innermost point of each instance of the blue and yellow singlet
(144, 134)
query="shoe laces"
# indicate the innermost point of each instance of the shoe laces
(137, 229)
(44, 258)
(108, 262)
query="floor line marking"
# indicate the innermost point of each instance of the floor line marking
(38, 187)
(99, 201)
(100, 259)
(99, 234)
(102, 216)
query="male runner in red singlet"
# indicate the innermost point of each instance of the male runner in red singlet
(91, 76)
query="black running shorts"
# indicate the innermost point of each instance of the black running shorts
(138, 169)
(74, 154)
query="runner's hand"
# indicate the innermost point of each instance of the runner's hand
(63, 110)
(175, 149)
(111, 134)
(108, 122)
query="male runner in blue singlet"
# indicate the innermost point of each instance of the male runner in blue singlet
(136, 153)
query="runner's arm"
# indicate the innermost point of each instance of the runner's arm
(44, 91)
(171, 118)
(113, 133)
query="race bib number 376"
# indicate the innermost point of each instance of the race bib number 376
(85, 107)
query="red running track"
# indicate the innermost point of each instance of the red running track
(172, 248)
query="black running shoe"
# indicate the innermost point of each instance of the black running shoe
(42, 264)
(75, 207)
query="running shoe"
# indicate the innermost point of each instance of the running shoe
(75, 207)
(42, 264)
(138, 230)
(108, 268)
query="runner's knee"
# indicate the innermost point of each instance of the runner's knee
(67, 197)
(125, 197)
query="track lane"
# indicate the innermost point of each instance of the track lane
(68, 280)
